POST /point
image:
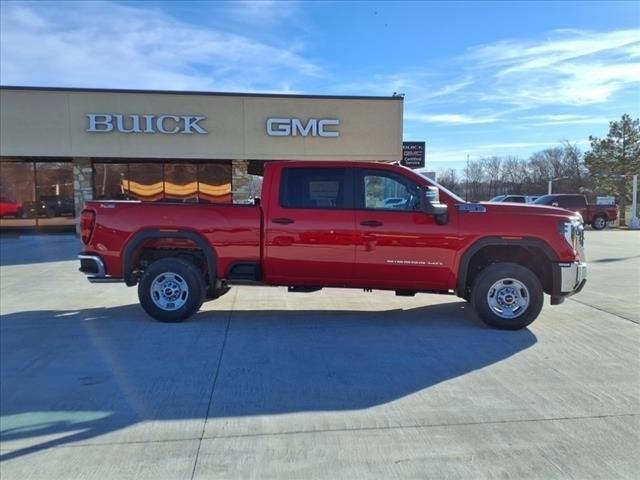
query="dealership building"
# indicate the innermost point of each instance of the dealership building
(62, 146)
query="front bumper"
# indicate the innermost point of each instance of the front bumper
(571, 278)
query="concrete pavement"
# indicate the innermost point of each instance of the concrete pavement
(334, 384)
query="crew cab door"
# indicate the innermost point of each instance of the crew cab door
(310, 228)
(399, 246)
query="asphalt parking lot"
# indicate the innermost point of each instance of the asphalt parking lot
(333, 384)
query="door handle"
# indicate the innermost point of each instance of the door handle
(371, 223)
(282, 220)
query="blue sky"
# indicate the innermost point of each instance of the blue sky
(480, 78)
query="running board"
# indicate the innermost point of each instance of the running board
(303, 289)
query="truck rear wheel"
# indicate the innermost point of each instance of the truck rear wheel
(599, 222)
(171, 290)
(507, 296)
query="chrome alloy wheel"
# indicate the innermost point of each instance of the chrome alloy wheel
(599, 223)
(169, 291)
(508, 298)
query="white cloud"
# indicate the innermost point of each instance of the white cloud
(502, 80)
(263, 11)
(450, 118)
(451, 88)
(421, 87)
(101, 44)
(571, 67)
(565, 119)
(562, 46)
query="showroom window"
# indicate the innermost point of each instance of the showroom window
(181, 182)
(110, 181)
(54, 194)
(174, 181)
(145, 181)
(36, 194)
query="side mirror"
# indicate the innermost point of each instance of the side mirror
(431, 205)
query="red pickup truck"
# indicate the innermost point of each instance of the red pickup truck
(596, 215)
(332, 224)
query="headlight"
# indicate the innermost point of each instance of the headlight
(573, 232)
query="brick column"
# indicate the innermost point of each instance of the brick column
(82, 184)
(240, 181)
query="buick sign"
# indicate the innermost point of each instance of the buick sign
(145, 123)
(293, 127)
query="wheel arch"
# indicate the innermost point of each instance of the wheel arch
(137, 240)
(488, 244)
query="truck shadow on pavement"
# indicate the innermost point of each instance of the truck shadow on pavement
(72, 376)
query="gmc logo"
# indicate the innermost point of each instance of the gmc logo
(292, 127)
(147, 123)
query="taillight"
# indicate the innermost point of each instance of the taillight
(87, 222)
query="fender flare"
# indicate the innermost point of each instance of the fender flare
(479, 244)
(141, 236)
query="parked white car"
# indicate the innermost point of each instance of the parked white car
(515, 198)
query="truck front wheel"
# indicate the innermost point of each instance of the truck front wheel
(507, 296)
(171, 290)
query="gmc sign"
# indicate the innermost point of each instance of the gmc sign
(292, 127)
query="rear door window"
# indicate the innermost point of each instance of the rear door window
(571, 202)
(325, 188)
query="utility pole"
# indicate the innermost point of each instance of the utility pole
(466, 190)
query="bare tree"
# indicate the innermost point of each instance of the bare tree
(474, 176)
(492, 167)
(448, 178)
(610, 163)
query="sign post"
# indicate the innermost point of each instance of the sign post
(413, 154)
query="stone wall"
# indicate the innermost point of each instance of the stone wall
(240, 181)
(82, 183)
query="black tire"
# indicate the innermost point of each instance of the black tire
(195, 288)
(599, 222)
(496, 272)
(217, 293)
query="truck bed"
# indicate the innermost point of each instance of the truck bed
(233, 230)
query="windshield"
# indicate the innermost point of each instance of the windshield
(443, 189)
(544, 200)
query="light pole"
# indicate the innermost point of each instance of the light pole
(634, 223)
(551, 180)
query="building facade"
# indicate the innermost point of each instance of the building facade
(60, 147)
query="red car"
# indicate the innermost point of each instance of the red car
(596, 215)
(329, 224)
(9, 208)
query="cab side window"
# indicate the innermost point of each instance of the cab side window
(380, 190)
